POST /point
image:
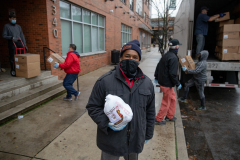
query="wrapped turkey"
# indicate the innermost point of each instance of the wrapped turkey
(118, 112)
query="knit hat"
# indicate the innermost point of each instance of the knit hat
(132, 45)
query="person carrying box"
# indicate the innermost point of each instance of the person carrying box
(71, 66)
(199, 78)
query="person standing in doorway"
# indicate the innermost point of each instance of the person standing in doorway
(201, 28)
(128, 82)
(13, 33)
(71, 66)
(166, 75)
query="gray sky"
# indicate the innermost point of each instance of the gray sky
(160, 3)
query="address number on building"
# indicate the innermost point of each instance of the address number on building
(54, 23)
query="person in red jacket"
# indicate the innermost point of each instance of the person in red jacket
(72, 67)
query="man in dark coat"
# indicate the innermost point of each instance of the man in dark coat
(128, 82)
(166, 74)
(13, 32)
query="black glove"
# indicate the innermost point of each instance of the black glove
(14, 39)
(222, 14)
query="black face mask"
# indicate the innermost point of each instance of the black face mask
(129, 67)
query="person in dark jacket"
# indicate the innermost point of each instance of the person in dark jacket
(199, 79)
(13, 33)
(71, 66)
(129, 83)
(166, 75)
(201, 28)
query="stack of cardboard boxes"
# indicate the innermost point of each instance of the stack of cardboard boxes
(228, 39)
(27, 65)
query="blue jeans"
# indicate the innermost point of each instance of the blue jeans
(200, 43)
(68, 84)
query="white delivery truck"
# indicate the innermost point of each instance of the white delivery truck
(219, 73)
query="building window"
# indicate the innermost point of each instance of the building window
(124, 1)
(131, 4)
(145, 16)
(126, 34)
(81, 27)
(139, 7)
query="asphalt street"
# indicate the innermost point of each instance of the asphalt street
(214, 133)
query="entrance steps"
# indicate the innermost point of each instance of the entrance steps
(19, 95)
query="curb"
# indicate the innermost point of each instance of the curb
(181, 147)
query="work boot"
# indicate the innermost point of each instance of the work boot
(182, 99)
(202, 108)
(160, 122)
(173, 119)
(67, 99)
(76, 97)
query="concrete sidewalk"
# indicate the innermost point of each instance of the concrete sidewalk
(62, 130)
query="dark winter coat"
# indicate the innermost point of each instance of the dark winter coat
(141, 99)
(166, 70)
(200, 71)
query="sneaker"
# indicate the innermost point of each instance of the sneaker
(160, 122)
(201, 108)
(67, 99)
(181, 99)
(76, 97)
(173, 119)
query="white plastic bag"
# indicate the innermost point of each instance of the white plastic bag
(118, 112)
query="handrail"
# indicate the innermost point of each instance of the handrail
(44, 56)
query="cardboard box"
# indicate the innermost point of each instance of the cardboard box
(228, 35)
(227, 49)
(54, 57)
(28, 73)
(226, 22)
(229, 28)
(237, 21)
(27, 66)
(226, 17)
(229, 56)
(229, 42)
(27, 58)
(188, 62)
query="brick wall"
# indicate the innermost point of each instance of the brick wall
(31, 16)
(35, 18)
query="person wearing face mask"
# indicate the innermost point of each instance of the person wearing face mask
(13, 32)
(166, 75)
(71, 66)
(198, 80)
(129, 83)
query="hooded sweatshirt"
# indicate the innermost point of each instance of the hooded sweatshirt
(200, 72)
(72, 63)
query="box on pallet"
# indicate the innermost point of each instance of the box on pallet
(27, 65)
(188, 62)
(226, 22)
(226, 17)
(229, 42)
(229, 56)
(54, 57)
(229, 28)
(227, 49)
(228, 35)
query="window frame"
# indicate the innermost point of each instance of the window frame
(127, 33)
(72, 21)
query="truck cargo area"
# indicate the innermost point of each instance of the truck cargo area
(220, 73)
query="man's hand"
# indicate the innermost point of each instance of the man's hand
(146, 141)
(26, 48)
(56, 65)
(222, 14)
(14, 39)
(179, 87)
(184, 68)
(112, 126)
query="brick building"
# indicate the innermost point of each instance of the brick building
(95, 26)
